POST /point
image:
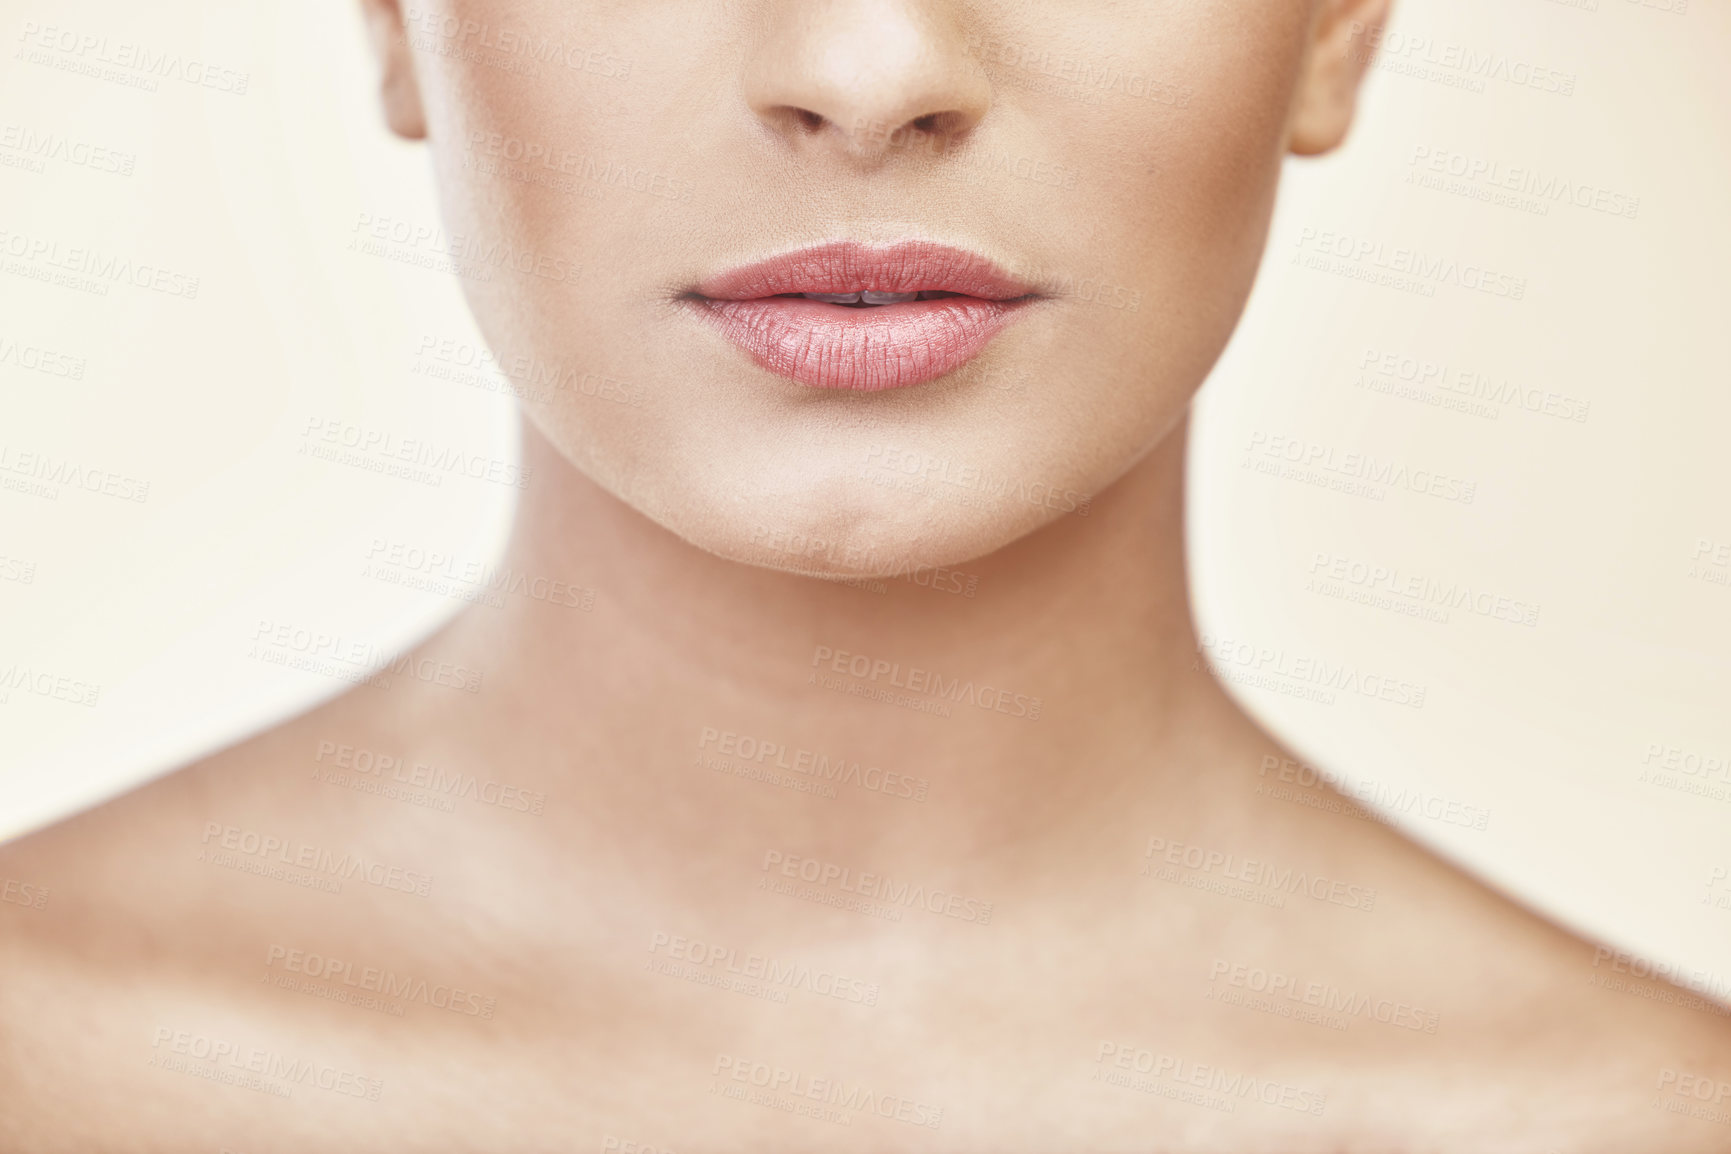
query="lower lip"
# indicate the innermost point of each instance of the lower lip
(867, 350)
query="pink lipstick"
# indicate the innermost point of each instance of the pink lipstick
(851, 316)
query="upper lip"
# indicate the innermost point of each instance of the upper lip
(849, 267)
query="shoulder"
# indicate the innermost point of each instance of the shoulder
(156, 913)
(1451, 966)
(143, 859)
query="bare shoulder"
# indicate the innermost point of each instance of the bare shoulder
(1417, 953)
(156, 918)
(172, 880)
(106, 854)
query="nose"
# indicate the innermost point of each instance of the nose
(859, 77)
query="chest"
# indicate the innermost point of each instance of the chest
(696, 1046)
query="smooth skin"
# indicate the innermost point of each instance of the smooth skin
(1109, 1002)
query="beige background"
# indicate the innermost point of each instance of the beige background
(1534, 751)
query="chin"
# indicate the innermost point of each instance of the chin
(855, 529)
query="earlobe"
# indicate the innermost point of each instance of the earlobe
(1343, 46)
(398, 87)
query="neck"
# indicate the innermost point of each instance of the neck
(1025, 689)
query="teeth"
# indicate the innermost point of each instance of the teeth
(868, 297)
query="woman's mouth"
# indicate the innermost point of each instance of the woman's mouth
(853, 316)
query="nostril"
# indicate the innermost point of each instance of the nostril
(936, 129)
(946, 126)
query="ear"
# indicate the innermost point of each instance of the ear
(398, 87)
(1343, 44)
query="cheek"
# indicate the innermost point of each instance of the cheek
(1173, 211)
(536, 151)
(1196, 195)
(1208, 154)
(1211, 171)
(521, 102)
